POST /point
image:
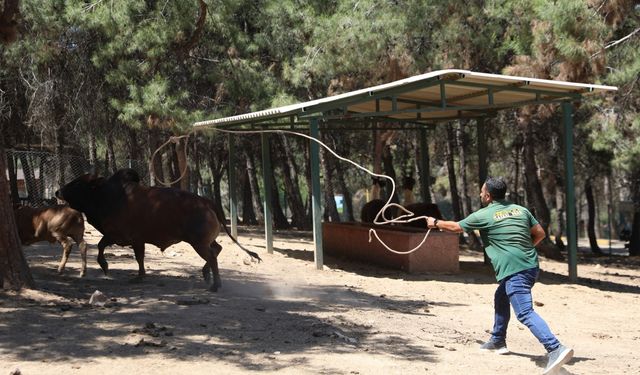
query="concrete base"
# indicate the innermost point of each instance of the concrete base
(439, 253)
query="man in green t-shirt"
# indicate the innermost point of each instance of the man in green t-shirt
(509, 234)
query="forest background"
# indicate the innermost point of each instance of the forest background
(110, 80)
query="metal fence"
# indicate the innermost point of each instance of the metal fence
(35, 175)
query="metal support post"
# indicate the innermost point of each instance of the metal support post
(266, 179)
(233, 196)
(314, 153)
(572, 238)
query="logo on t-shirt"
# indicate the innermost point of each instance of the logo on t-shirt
(501, 215)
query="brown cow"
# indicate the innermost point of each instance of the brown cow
(422, 209)
(371, 209)
(55, 223)
(130, 214)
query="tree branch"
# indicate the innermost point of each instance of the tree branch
(197, 34)
(616, 42)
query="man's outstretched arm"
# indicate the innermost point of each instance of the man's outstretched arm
(449, 226)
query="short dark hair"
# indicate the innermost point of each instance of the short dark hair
(497, 187)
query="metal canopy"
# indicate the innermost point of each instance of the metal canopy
(443, 95)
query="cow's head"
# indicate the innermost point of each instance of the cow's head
(80, 192)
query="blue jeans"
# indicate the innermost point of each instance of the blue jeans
(516, 289)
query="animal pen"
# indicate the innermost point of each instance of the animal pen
(418, 102)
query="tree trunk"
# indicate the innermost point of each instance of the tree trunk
(534, 188)
(307, 177)
(387, 162)
(217, 173)
(348, 199)
(634, 242)
(610, 221)
(535, 196)
(93, 151)
(581, 229)
(517, 167)
(253, 183)
(560, 204)
(112, 165)
(462, 157)
(156, 164)
(291, 186)
(166, 156)
(174, 164)
(14, 270)
(105, 170)
(466, 200)
(133, 144)
(425, 176)
(182, 164)
(596, 202)
(248, 213)
(60, 142)
(330, 209)
(593, 242)
(28, 173)
(279, 218)
(13, 177)
(380, 139)
(453, 186)
(197, 176)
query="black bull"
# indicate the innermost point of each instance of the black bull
(129, 214)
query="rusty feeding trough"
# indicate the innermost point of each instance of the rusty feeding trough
(439, 253)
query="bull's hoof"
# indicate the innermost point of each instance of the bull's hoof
(217, 283)
(105, 268)
(83, 273)
(60, 271)
(206, 274)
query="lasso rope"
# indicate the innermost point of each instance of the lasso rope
(380, 219)
(176, 140)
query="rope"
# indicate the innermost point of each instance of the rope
(176, 140)
(380, 218)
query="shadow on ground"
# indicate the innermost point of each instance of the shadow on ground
(471, 272)
(175, 316)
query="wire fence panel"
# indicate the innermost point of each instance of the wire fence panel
(36, 175)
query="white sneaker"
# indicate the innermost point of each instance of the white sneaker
(557, 358)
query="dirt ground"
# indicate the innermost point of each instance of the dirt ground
(283, 315)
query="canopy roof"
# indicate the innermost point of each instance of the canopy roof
(427, 98)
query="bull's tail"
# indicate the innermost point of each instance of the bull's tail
(224, 225)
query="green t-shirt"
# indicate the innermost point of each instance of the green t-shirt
(505, 229)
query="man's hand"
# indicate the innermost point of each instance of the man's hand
(448, 226)
(431, 222)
